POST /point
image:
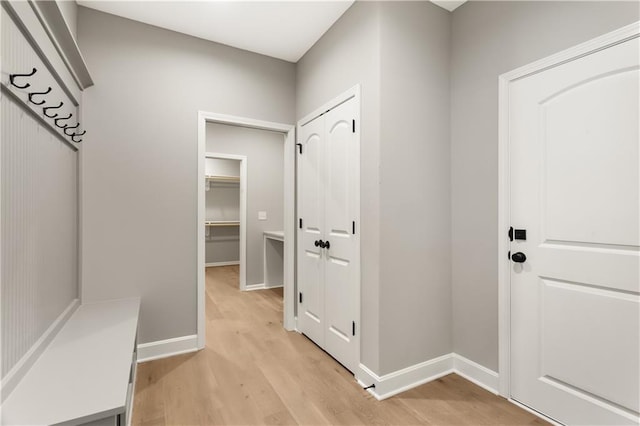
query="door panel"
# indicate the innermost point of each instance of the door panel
(311, 210)
(328, 199)
(579, 320)
(575, 188)
(583, 172)
(341, 208)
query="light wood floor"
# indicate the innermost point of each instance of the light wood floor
(253, 372)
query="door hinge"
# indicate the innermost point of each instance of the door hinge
(353, 126)
(300, 222)
(299, 147)
(511, 233)
(353, 227)
(300, 297)
(353, 328)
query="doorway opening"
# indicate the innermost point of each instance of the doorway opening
(223, 126)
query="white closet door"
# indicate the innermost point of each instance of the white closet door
(341, 206)
(575, 334)
(311, 210)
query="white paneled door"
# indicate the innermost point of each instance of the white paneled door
(575, 273)
(310, 189)
(328, 275)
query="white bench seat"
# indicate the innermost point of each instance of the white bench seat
(87, 372)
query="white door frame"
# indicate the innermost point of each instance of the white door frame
(353, 92)
(288, 132)
(504, 221)
(243, 211)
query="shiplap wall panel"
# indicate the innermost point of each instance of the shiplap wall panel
(39, 205)
(39, 231)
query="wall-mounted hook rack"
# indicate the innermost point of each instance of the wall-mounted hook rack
(32, 94)
(13, 76)
(78, 135)
(69, 128)
(45, 109)
(64, 126)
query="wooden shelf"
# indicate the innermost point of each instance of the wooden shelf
(222, 223)
(229, 179)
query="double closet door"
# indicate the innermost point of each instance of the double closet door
(328, 233)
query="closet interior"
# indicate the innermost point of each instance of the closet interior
(222, 225)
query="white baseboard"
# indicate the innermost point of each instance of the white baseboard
(476, 373)
(166, 348)
(274, 286)
(214, 264)
(13, 377)
(399, 381)
(251, 287)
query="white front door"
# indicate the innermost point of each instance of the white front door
(328, 241)
(574, 167)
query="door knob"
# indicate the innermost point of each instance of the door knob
(518, 257)
(319, 243)
(326, 245)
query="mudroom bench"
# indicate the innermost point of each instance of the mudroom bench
(87, 373)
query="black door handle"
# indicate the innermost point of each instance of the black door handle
(319, 243)
(326, 245)
(518, 257)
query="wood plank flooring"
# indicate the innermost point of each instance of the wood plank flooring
(253, 372)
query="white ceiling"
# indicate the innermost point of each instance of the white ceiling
(281, 29)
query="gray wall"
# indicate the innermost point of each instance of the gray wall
(491, 38)
(399, 53)
(415, 205)
(265, 183)
(348, 54)
(140, 156)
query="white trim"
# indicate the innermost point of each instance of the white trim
(25, 17)
(252, 287)
(289, 243)
(353, 92)
(399, 381)
(13, 377)
(402, 380)
(243, 211)
(615, 37)
(216, 264)
(476, 373)
(56, 26)
(289, 212)
(534, 412)
(166, 348)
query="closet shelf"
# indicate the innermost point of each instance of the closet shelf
(222, 223)
(218, 178)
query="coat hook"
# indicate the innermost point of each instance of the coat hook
(38, 93)
(70, 127)
(13, 76)
(44, 110)
(74, 136)
(60, 119)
